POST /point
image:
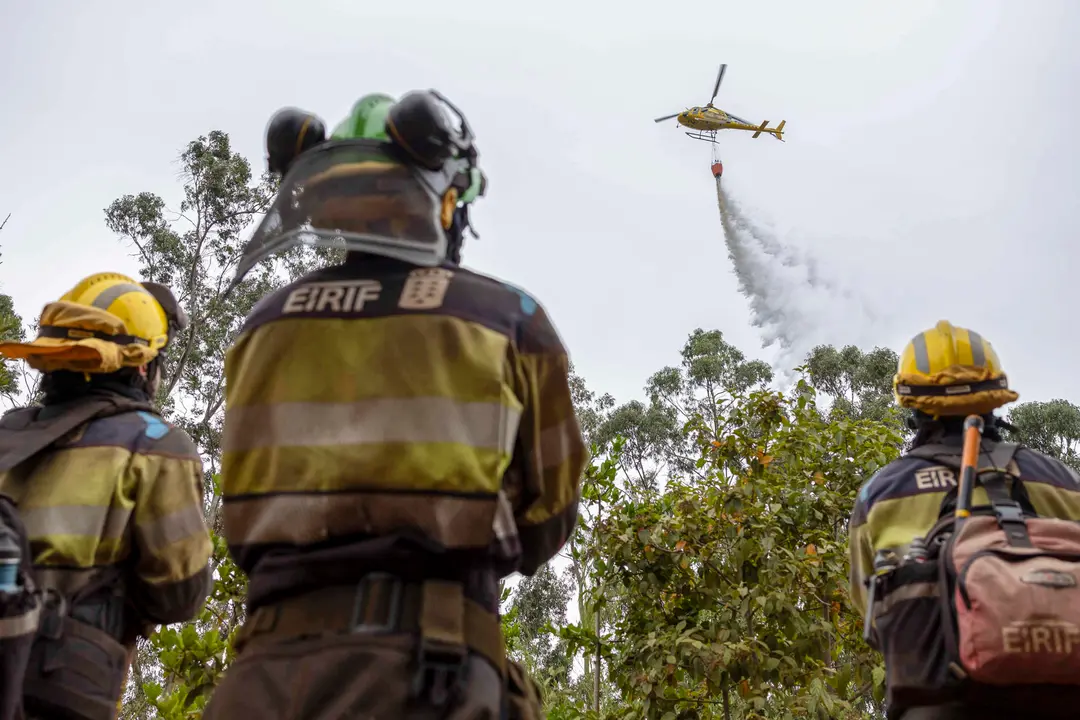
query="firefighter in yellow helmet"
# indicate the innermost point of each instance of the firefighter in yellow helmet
(945, 374)
(109, 493)
(399, 436)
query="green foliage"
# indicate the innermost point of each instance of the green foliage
(859, 383)
(729, 590)
(539, 605)
(11, 329)
(1052, 427)
(591, 410)
(655, 442)
(194, 656)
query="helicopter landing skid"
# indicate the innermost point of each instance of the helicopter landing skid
(707, 136)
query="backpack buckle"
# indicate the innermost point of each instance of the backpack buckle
(1009, 512)
(1010, 518)
(54, 608)
(363, 611)
(441, 673)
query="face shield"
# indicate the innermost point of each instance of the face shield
(178, 319)
(355, 195)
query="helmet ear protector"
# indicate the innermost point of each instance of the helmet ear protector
(418, 126)
(178, 319)
(290, 132)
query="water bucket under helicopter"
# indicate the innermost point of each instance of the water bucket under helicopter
(717, 169)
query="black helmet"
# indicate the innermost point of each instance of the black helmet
(290, 132)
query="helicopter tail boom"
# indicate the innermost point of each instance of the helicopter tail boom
(777, 132)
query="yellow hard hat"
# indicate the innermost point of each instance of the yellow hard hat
(949, 370)
(106, 322)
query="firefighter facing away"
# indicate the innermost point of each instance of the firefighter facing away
(109, 493)
(399, 436)
(945, 374)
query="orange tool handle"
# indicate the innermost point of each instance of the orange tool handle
(973, 428)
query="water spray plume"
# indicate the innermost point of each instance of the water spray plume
(791, 303)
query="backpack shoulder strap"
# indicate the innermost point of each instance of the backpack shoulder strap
(945, 454)
(24, 434)
(1001, 456)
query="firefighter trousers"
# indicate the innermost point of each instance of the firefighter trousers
(346, 677)
(381, 649)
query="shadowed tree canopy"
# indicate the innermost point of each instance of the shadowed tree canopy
(591, 409)
(11, 329)
(859, 383)
(655, 431)
(538, 607)
(1052, 427)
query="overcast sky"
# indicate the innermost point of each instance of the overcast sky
(930, 167)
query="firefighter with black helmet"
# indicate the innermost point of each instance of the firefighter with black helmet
(109, 494)
(399, 435)
(945, 374)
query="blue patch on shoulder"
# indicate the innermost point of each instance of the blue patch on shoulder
(155, 428)
(864, 494)
(528, 305)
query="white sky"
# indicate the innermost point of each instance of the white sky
(930, 162)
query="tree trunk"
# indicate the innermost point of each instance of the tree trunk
(596, 670)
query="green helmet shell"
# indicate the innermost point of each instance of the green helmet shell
(367, 120)
(475, 184)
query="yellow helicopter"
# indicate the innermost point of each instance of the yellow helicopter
(706, 121)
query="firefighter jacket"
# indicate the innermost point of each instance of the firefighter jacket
(112, 488)
(903, 500)
(387, 417)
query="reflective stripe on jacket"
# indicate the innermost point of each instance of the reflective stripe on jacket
(120, 491)
(902, 501)
(380, 399)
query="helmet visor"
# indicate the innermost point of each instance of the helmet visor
(353, 195)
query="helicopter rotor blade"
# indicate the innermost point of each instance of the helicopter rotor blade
(666, 117)
(719, 79)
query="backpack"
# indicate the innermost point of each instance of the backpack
(989, 614)
(19, 615)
